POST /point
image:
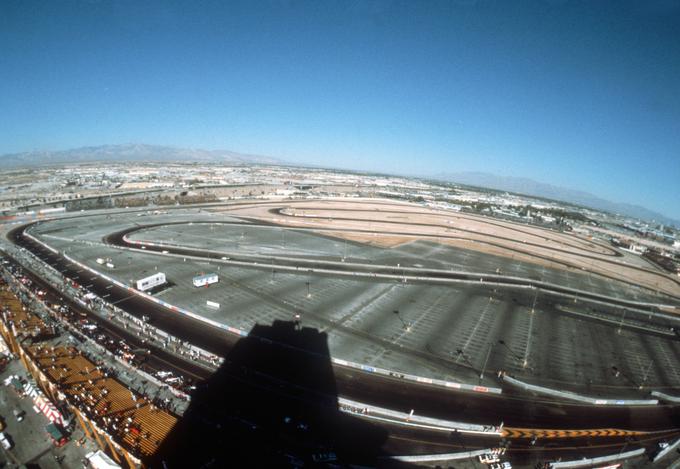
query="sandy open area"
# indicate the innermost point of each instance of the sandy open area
(389, 223)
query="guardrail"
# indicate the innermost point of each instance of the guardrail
(666, 450)
(242, 333)
(576, 397)
(441, 457)
(602, 459)
(418, 379)
(666, 397)
(370, 411)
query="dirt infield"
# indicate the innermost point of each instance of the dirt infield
(389, 223)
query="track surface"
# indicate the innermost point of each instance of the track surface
(578, 248)
(571, 429)
(392, 392)
(118, 239)
(567, 250)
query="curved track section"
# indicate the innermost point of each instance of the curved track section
(122, 239)
(392, 220)
(381, 390)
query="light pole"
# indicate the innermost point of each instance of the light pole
(515, 356)
(396, 312)
(404, 324)
(296, 320)
(646, 374)
(621, 322)
(461, 353)
(628, 440)
(486, 360)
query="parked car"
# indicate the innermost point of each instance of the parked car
(6, 441)
(19, 414)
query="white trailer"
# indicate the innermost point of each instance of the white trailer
(206, 279)
(52, 210)
(151, 281)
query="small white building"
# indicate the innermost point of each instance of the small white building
(636, 249)
(147, 283)
(205, 280)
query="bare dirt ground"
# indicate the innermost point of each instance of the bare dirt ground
(389, 223)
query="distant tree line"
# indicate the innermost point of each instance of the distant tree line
(95, 203)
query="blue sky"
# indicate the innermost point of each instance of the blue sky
(579, 94)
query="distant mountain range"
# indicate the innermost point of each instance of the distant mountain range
(131, 152)
(530, 187)
(142, 153)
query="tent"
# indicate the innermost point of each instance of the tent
(55, 433)
(18, 386)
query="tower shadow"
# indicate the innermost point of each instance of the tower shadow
(272, 403)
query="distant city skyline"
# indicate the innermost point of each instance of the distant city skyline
(575, 94)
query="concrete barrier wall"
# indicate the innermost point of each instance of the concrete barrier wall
(401, 417)
(441, 457)
(603, 459)
(666, 397)
(576, 397)
(666, 451)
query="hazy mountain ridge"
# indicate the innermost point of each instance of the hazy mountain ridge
(530, 187)
(133, 153)
(144, 153)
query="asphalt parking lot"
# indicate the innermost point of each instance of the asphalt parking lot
(31, 443)
(450, 332)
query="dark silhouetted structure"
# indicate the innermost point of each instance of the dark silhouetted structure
(273, 403)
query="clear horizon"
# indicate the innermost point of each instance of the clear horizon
(575, 94)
